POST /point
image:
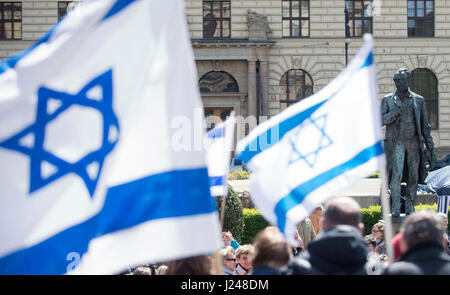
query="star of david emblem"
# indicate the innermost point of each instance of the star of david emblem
(309, 140)
(97, 96)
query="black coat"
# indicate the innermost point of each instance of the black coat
(265, 270)
(338, 250)
(426, 258)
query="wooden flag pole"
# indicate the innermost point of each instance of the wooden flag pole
(386, 213)
(222, 212)
(218, 263)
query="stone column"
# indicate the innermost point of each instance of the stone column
(252, 107)
(264, 72)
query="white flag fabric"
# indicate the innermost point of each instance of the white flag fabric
(90, 183)
(219, 143)
(317, 147)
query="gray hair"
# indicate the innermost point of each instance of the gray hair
(422, 226)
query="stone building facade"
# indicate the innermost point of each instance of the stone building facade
(321, 53)
(255, 56)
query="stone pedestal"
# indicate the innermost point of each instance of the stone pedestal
(397, 222)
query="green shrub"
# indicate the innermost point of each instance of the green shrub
(254, 223)
(375, 175)
(370, 216)
(238, 174)
(234, 218)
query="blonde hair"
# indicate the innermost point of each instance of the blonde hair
(380, 226)
(161, 270)
(244, 249)
(225, 252)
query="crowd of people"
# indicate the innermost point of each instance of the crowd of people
(330, 242)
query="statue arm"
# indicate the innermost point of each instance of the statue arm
(426, 132)
(388, 116)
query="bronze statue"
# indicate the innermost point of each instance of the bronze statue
(407, 134)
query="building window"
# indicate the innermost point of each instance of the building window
(420, 18)
(218, 82)
(216, 19)
(295, 17)
(295, 85)
(10, 20)
(424, 82)
(64, 7)
(359, 17)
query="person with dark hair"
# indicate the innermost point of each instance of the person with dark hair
(271, 252)
(422, 242)
(196, 265)
(339, 248)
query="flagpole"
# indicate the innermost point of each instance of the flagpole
(222, 212)
(217, 264)
(386, 210)
(217, 258)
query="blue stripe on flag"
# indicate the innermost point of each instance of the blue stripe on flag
(265, 140)
(117, 7)
(217, 132)
(369, 60)
(216, 180)
(297, 195)
(167, 195)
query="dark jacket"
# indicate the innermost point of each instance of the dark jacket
(265, 270)
(338, 250)
(427, 258)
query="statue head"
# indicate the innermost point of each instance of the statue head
(401, 79)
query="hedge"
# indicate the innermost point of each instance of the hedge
(238, 174)
(234, 219)
(254, 222)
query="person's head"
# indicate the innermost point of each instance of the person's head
(142, 271)
(378, 230)
(319, 210)
(444, 219)
(401, 79)
(342, 211)
(421, 226)
(270, 249)
(371, 242)
(161, 270)
(197, 265)
(229, 259)
(242, 256)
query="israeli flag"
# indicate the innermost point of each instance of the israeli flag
(219, 143)
(90, 183)
(317, 147)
